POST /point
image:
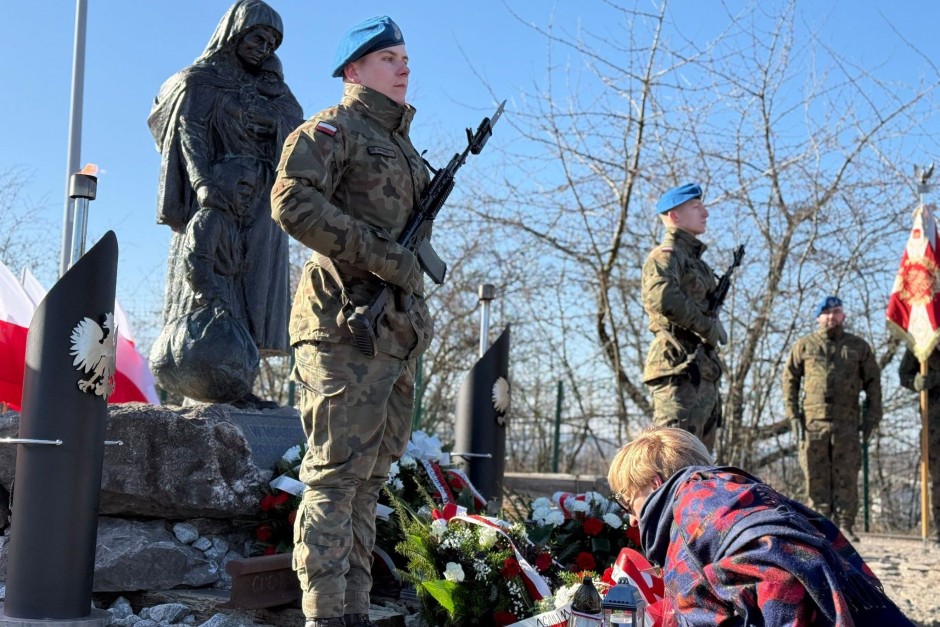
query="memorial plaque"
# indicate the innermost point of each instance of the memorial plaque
(269, 433)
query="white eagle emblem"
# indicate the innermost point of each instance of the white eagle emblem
(94, 352)
(501, 399)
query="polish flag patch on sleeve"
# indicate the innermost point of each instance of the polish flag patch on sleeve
(329, 129)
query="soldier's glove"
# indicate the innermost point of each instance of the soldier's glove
(922, 383)
(716, 334)
(798, 426)
(399, 267)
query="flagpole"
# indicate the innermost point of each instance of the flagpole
(75, 130)
(922, 189)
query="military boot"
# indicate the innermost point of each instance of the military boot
(325, 622)
(358, 620)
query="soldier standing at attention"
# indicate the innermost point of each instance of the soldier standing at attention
(347, 182)
(912, 379)
(682, 367)
(833, 366)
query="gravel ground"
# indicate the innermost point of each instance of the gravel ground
(909, 569)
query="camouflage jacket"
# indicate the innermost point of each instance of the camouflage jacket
(346, 185)
(833, 368)
(736, 552)
(676, 287)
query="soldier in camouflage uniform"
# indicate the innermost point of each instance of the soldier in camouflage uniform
(912, 379)
(833, 367)
(682, 367)
(347, 182)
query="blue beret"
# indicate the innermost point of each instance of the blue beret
(678, 195)
(374, 34)
(828, 303)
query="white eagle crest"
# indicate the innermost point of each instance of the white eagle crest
(501, 399)
(94, 350)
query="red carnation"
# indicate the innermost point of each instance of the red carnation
(543, 561)
(593, 526)
(608, 577)
(281, 499)
(267, 503)
(510, 568)
(501, 618)
(585, 561)
(263, 533)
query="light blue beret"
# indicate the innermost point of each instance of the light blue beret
(828, 303)
(374, 34)
(678, 195)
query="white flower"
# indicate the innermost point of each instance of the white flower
(487, 537)
(291, 454)
(393, 471)
(541, 502)
(407, 461)
(396, 484)
(564, 595)
(578, 506)
(453, 572)
(539, 514)
(594, 498)
(555, 517)
(613, 520)
(438, 528)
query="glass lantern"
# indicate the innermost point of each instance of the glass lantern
(623, 606)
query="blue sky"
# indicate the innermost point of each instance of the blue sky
(134, 45)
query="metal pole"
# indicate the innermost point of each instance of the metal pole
(557, 444)
(487, 293)
(75, 128)
(83, 188)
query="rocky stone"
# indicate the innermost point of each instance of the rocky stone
(137, 555)
(186, 533)
(169, 612)
(202, 543)
(218, 550)
(174, 463)
(228, 620)
(121, 608)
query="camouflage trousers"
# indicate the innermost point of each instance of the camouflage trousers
(831, 457)
(677, 402)
(356, 414)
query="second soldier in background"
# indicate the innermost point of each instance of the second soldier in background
(348, 180)
(682, 367)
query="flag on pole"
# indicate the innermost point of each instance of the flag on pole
(16, 310)
(133, 379)
(914, 306)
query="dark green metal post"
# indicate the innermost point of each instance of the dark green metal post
(419, 395)
(558, 399)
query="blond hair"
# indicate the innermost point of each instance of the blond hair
(656, 452)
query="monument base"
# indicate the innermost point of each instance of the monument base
(97, 618)
(269, 432)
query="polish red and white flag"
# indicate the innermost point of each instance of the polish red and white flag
(914, 305)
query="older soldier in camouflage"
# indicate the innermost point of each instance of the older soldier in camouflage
(682, 367)
(347, 182)
(912, 379)
(833, 367)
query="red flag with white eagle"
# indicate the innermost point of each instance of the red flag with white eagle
(914, 306)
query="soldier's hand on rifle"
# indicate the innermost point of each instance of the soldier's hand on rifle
(798, 425)
(716, 334)
(400, 267)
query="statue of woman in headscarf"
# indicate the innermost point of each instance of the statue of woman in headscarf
(230, 105)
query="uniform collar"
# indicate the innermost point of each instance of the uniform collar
(391, 115)
(831, 334)
(679, 237)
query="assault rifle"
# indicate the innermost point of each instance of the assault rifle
(364, 319)
(717, 299)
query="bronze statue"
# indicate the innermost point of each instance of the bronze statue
(228, 111)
